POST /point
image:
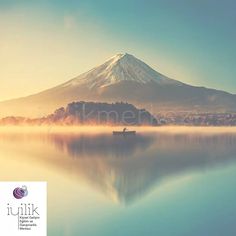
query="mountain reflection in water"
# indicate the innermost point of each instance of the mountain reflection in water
(126, 168)
(101, 145)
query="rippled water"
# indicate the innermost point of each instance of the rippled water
(154, 183)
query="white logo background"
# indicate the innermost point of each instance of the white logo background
(37, 195)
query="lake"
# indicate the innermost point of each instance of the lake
(167, 182)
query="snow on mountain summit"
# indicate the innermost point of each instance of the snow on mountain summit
(121, 67)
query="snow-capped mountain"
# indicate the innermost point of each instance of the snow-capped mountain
(121, 67)
(123, 78)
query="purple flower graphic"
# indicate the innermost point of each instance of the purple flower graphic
(19, 193)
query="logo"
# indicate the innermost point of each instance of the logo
(19, 193)
(26, 216)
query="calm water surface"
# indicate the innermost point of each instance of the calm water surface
(156, 183)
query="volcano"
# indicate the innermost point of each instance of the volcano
(123, 78)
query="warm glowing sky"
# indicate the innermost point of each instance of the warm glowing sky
(44, 43)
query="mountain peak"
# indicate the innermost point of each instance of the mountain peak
(120, 56)
(119, 68)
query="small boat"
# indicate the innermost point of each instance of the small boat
(124, 132)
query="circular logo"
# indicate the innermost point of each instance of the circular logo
(19, 193)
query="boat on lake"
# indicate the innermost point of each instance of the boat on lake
(124, 132)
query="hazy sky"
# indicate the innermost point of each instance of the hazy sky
(45, 43)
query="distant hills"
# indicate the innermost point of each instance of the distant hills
(124, 78)
(89, 113)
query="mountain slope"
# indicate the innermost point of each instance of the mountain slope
(121, 67)
(123, 78)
